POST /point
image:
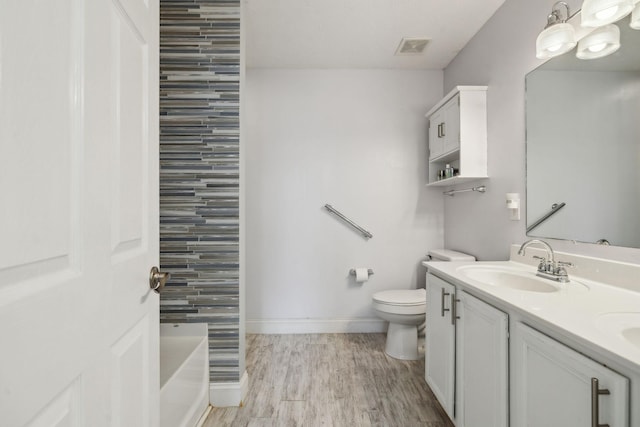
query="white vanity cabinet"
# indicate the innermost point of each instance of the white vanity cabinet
(440, 339)
(458, 135)
(553, 385)
(466, 362)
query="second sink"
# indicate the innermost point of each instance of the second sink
(625, 325)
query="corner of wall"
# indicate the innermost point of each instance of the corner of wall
(229, 393)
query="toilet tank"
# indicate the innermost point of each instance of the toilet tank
(447, 255)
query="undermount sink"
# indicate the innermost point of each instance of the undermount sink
(514, 278)
(625, 325)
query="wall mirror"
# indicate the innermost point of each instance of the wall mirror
(583, 146)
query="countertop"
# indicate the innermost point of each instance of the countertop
(580, 311)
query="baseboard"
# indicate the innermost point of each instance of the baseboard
(315, 326)
(229, 394)
(204, 416)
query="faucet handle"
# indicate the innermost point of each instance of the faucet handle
(545, 265)
(542, 259)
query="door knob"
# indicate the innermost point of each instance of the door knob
(157, 279)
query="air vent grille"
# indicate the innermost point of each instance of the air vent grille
(412, 46)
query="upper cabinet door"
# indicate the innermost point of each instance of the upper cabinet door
(444, 129)
(436, 141)
(553, 385)
(450, 129)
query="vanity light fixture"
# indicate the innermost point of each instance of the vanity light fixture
(558, 36)
(600, 42)
(597, 13)
(635, 16)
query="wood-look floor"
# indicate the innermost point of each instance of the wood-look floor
(330, 380)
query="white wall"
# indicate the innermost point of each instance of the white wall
(499, 56)
(355, 139)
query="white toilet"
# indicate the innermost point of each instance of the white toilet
(405, 310)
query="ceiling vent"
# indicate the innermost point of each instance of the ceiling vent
(412, 46)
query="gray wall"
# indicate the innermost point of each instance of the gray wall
(500, 55)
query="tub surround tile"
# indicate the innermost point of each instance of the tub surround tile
(199, 172)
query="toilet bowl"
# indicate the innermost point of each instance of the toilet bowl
(404, 310)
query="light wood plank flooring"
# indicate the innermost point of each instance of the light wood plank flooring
(330, 380)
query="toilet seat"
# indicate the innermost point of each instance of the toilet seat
(407, 301)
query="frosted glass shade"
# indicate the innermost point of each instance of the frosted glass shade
(600, 42)
(555, 40)
(635, 17)
(597, 13)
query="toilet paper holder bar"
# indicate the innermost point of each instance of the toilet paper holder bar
(353, 272)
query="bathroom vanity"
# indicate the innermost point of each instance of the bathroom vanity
(505, 347)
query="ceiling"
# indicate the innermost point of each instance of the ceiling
(359, 33)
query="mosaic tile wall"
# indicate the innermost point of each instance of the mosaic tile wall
(199, 172)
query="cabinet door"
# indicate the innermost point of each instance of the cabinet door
(552, 385)
(481, 366)
(440, 342)
(450, 130)
(436, 141)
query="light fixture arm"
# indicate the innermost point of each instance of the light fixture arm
(555, 17)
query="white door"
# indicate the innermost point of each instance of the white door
(552, 385)
(440, 342)
(482, 366)
(78, 212)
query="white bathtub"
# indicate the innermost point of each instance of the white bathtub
(184, 374)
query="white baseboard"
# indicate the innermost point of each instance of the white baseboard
(315, 326)
(229, 394)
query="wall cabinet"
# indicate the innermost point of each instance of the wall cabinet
(553, 385)
(466, 362)
(458, 135)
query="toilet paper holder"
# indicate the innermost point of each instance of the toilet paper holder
(353, 272)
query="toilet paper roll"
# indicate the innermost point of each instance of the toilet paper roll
(362, 274)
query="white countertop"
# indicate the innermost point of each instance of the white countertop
(579, 311)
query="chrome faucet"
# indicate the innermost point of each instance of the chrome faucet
(548, 268)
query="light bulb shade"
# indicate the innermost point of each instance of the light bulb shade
(635, 17)
(597, 13)
(555, 40)
(600, 42)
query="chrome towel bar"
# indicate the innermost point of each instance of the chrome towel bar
(480, 189)
(337, 213)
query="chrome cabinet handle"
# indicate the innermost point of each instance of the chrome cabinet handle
(595, 403)
(442, 124)
(442, 298)
(454, 311)
(157, 279)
